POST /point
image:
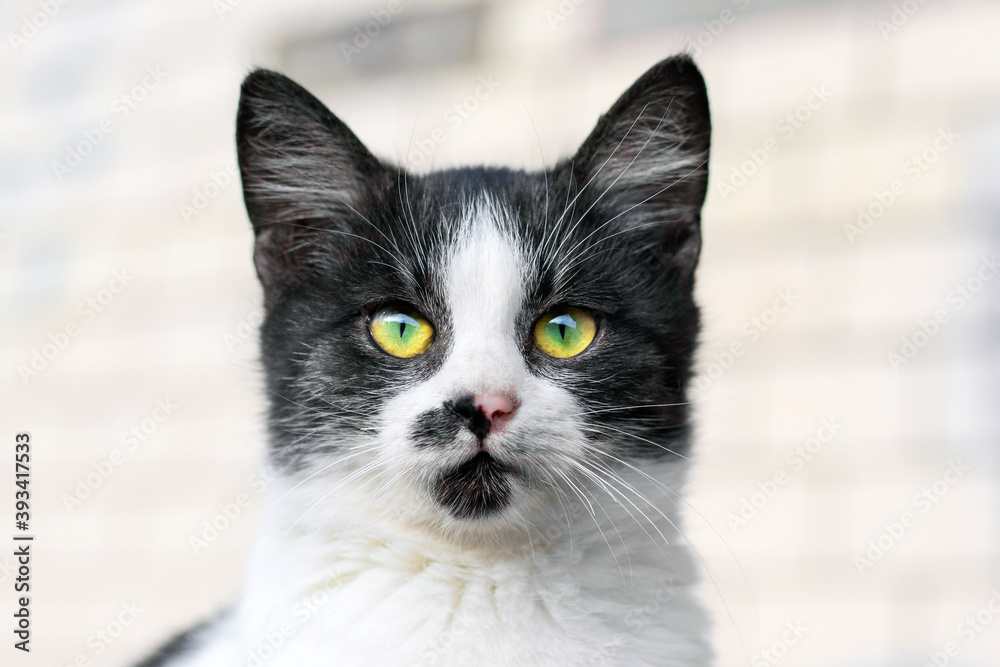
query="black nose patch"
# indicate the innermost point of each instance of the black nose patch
(440, 426)
(470, 415)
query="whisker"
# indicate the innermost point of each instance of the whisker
(635, 206)
(298, 557)
(637, 437)
(587, 184)
(630, 407)
(597, 523)
(623, 172)
(246, 530)
(698, 555)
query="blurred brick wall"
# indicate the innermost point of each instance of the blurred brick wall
(820, 109)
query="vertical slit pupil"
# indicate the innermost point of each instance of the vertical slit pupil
(562, 331)
(402, 328)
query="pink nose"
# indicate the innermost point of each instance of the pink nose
(496, 408)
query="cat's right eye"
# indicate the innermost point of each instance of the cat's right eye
(401, 331)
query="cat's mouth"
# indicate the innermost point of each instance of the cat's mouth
(477, 488)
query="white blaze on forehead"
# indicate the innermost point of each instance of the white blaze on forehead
(485, 291)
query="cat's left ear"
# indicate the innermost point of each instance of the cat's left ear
(644, 167)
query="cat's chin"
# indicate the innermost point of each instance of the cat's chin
(485, 508)
(476, 489)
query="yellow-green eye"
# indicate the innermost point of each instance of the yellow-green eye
(564, 332)
(402, 332)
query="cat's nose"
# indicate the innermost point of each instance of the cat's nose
(496, 408)
(484, 414)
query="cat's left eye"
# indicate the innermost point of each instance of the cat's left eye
(401, 331)
(565, 331)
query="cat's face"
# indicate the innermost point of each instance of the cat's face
(460, 348)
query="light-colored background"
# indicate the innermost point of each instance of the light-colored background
(181, 328)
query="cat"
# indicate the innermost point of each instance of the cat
(478, 409)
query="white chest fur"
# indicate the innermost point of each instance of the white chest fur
(607, 589)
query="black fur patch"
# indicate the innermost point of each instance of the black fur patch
(178, 645)
(435, 428)
(476, 489)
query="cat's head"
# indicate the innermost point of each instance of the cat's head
(468, 344)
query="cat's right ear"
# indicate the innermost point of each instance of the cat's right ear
(305, 178)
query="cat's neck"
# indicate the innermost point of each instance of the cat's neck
(584, 581)
(613, 529)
